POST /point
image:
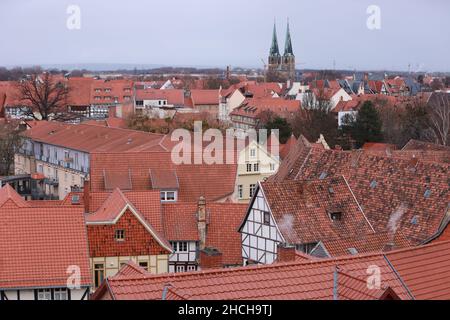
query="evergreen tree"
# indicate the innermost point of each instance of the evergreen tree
(366, 126)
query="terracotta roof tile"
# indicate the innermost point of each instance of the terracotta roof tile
(303, 280)
(38, 244)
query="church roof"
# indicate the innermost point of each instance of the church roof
(274, 50)
(288, 44)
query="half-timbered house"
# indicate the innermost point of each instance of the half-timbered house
(302, 214)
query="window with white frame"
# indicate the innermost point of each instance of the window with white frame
(191, 268)
(168, 196)
(179, 246)
(252, 153)
(180, 269)
(240, 191)
(60, 294)
(44, 294)
(119, 235)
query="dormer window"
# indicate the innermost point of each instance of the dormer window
(336, 216)
(168, 196)
(119, 235)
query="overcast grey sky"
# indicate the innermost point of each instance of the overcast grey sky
(234, 32)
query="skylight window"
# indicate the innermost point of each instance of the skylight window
(373, 184)
(323, 175)
(427, 193)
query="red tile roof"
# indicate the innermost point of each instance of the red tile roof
(93, 138)
(302, 210)
(205, 97)
(173, 96)
(310, 280)
(38, 244)
(214, 182)
(396, 194)
(253, 107)
(180, 220)
(116, 205)
(425, 270)
(366, 243)
(425, 146)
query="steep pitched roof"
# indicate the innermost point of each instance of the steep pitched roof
(116, 205)
(303, 209)
(9, 197)
(410, 196)
(38, 245)
(423, 145)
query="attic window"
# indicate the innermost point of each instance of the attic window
(373, 184)
(336, 216)
(266, 218)
(323, 175)
(427, 193)
(119, 235)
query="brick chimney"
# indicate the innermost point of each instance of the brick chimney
(210, 258)
(286, 253)
(86, 195)
(201, 221)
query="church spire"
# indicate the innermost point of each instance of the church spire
(274, 51)
(288, 45)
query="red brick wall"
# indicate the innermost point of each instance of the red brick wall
(138, 241)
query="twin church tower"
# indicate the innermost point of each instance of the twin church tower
(282, 65)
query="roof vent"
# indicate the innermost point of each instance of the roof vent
(75, 199)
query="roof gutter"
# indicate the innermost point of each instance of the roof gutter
(335, 284)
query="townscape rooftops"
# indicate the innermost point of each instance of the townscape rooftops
(304, 280)
(407, 195)
(39, 244)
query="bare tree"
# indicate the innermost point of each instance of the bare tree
(45, 98)
(10, 142)
(439, 113)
